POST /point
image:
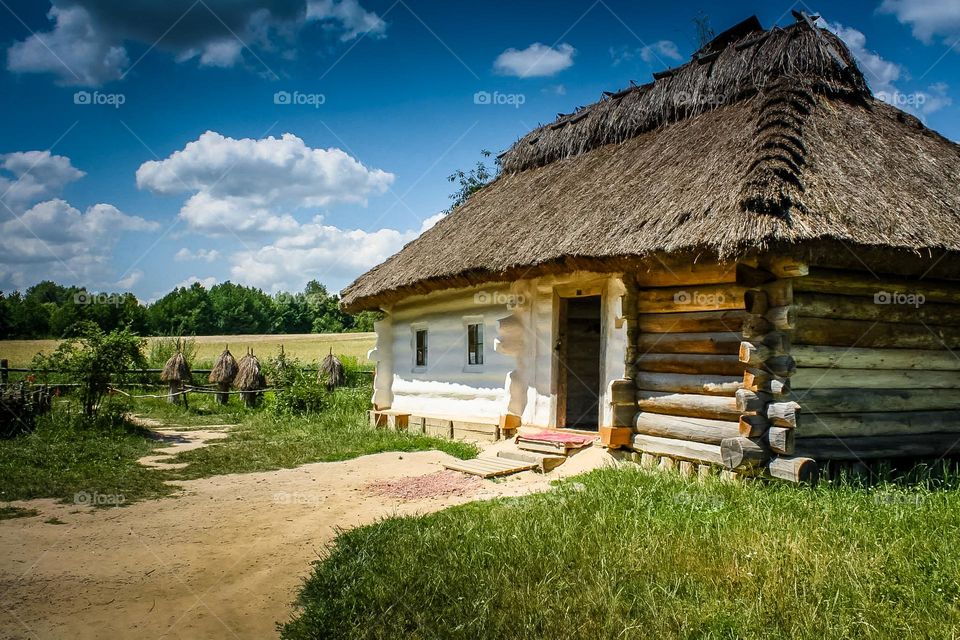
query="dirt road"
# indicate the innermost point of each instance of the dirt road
(223, 559)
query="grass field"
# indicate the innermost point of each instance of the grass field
(307, 347)
(629, 553)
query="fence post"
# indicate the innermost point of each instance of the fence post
(4, 371)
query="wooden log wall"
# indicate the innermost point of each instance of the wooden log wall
(710, 359)
(876, 373)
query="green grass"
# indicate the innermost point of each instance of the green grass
(265, 442)
(10, 512)
(76, 459)
(633, 554)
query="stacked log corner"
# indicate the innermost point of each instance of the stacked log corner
(621, 392)
(877, 371)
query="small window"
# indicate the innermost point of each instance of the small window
(421, 357)
(474, 344)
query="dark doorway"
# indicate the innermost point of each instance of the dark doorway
(579, 363)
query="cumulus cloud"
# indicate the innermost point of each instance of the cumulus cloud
(319, 251)
(660, 51)
(130, 280)
(347, 16)
(32, 176)
(87, 42)
(927, 18)
(537, 60)
(206, 283)
(883, 75)
(205, 255)
(253, 184)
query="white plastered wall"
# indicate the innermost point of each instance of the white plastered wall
(520, 365)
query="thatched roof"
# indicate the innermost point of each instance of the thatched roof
(764, 139)
(176, 369)
(225, 369)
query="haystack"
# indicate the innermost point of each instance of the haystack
(250, 379)
(176, 373)
(331, 372)
(223, 373)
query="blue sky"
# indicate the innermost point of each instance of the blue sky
(147, 144)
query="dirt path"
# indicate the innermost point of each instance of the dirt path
(221, 560)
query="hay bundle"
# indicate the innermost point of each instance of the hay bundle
(331, 372)
(223, 373)
(250, 379)
(176, 373)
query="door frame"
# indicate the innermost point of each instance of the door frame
(595, 287)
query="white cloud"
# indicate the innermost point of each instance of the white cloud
(72, 51)
(319, 251)
(33, 176)
(535, 61)
(131, 279)
(659, 52)
(883, 75)
(87, 42)
(54, 240)
(251, 185)
(205, 255)
(348, 16)
(206, 283)
(928, 18)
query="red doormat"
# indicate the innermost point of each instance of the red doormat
(571, 440)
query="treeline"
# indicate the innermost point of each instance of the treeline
(50, 310)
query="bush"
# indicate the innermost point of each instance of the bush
(298, 391)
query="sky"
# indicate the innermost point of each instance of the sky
(148, 144)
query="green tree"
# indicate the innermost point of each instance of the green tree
(469, 182)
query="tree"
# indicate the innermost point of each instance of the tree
(471, 181)
(94, 359)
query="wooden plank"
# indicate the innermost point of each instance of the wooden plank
(857, 358)
(830, 401)
(556, 448)
(851, 283)
(724, 342)
(697, 364)
(686, 299)
(688, 404)
(689, 429)
(692, 322)
(869, 334)
(689, 383)
(917, 446)
(812, 378)
(879, 424)
(683, 449)
(691, 273)
(485, 470)
(819, 305)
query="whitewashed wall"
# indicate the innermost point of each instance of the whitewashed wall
(520, 331)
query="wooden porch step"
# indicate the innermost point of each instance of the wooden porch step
(489, 467)
(544, 462)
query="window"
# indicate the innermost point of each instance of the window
(474, 344)
(420, 359)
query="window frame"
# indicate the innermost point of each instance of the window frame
(415, 330)
(469, 321)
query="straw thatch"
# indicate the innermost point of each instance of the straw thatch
(225, 369)
(176, 369)
(249, 374)
(331, 373)
(765, 140)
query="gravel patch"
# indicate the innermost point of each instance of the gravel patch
(431, 485)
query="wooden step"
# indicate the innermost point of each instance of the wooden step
(545, 462)
(489, 467)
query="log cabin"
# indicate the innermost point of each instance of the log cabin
(750, 262)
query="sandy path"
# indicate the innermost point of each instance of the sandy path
(222, 560)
